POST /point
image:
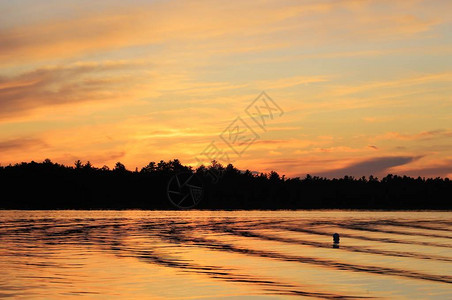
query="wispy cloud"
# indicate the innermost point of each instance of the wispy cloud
(431, 168)
(373, 166)
(154, 23)
(64, 85)
(21, 144)
(424, 135)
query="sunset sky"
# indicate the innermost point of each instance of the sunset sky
(365, 86)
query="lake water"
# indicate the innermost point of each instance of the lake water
(225, 255)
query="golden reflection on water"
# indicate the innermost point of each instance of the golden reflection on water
(206, 254)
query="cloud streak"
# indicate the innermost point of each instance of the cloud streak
(64, 85)
(163, 22)
(373, 166)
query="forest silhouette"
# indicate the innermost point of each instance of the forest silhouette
(49, 185)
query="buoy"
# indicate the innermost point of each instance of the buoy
(336, 238)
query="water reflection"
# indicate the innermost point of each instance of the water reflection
(277, 254)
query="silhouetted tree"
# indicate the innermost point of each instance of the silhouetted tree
(119, 167)
(78, 164)
(273, 176)
(86, 187)
(87, 166)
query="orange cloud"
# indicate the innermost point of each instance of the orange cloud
(63, 85)
(424, 135)
(155, 23)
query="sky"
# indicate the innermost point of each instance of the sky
(362, 87)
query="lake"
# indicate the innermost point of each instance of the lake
(225, 254)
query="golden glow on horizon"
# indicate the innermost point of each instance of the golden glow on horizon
(365, 85)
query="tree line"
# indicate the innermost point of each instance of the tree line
(48, 185)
